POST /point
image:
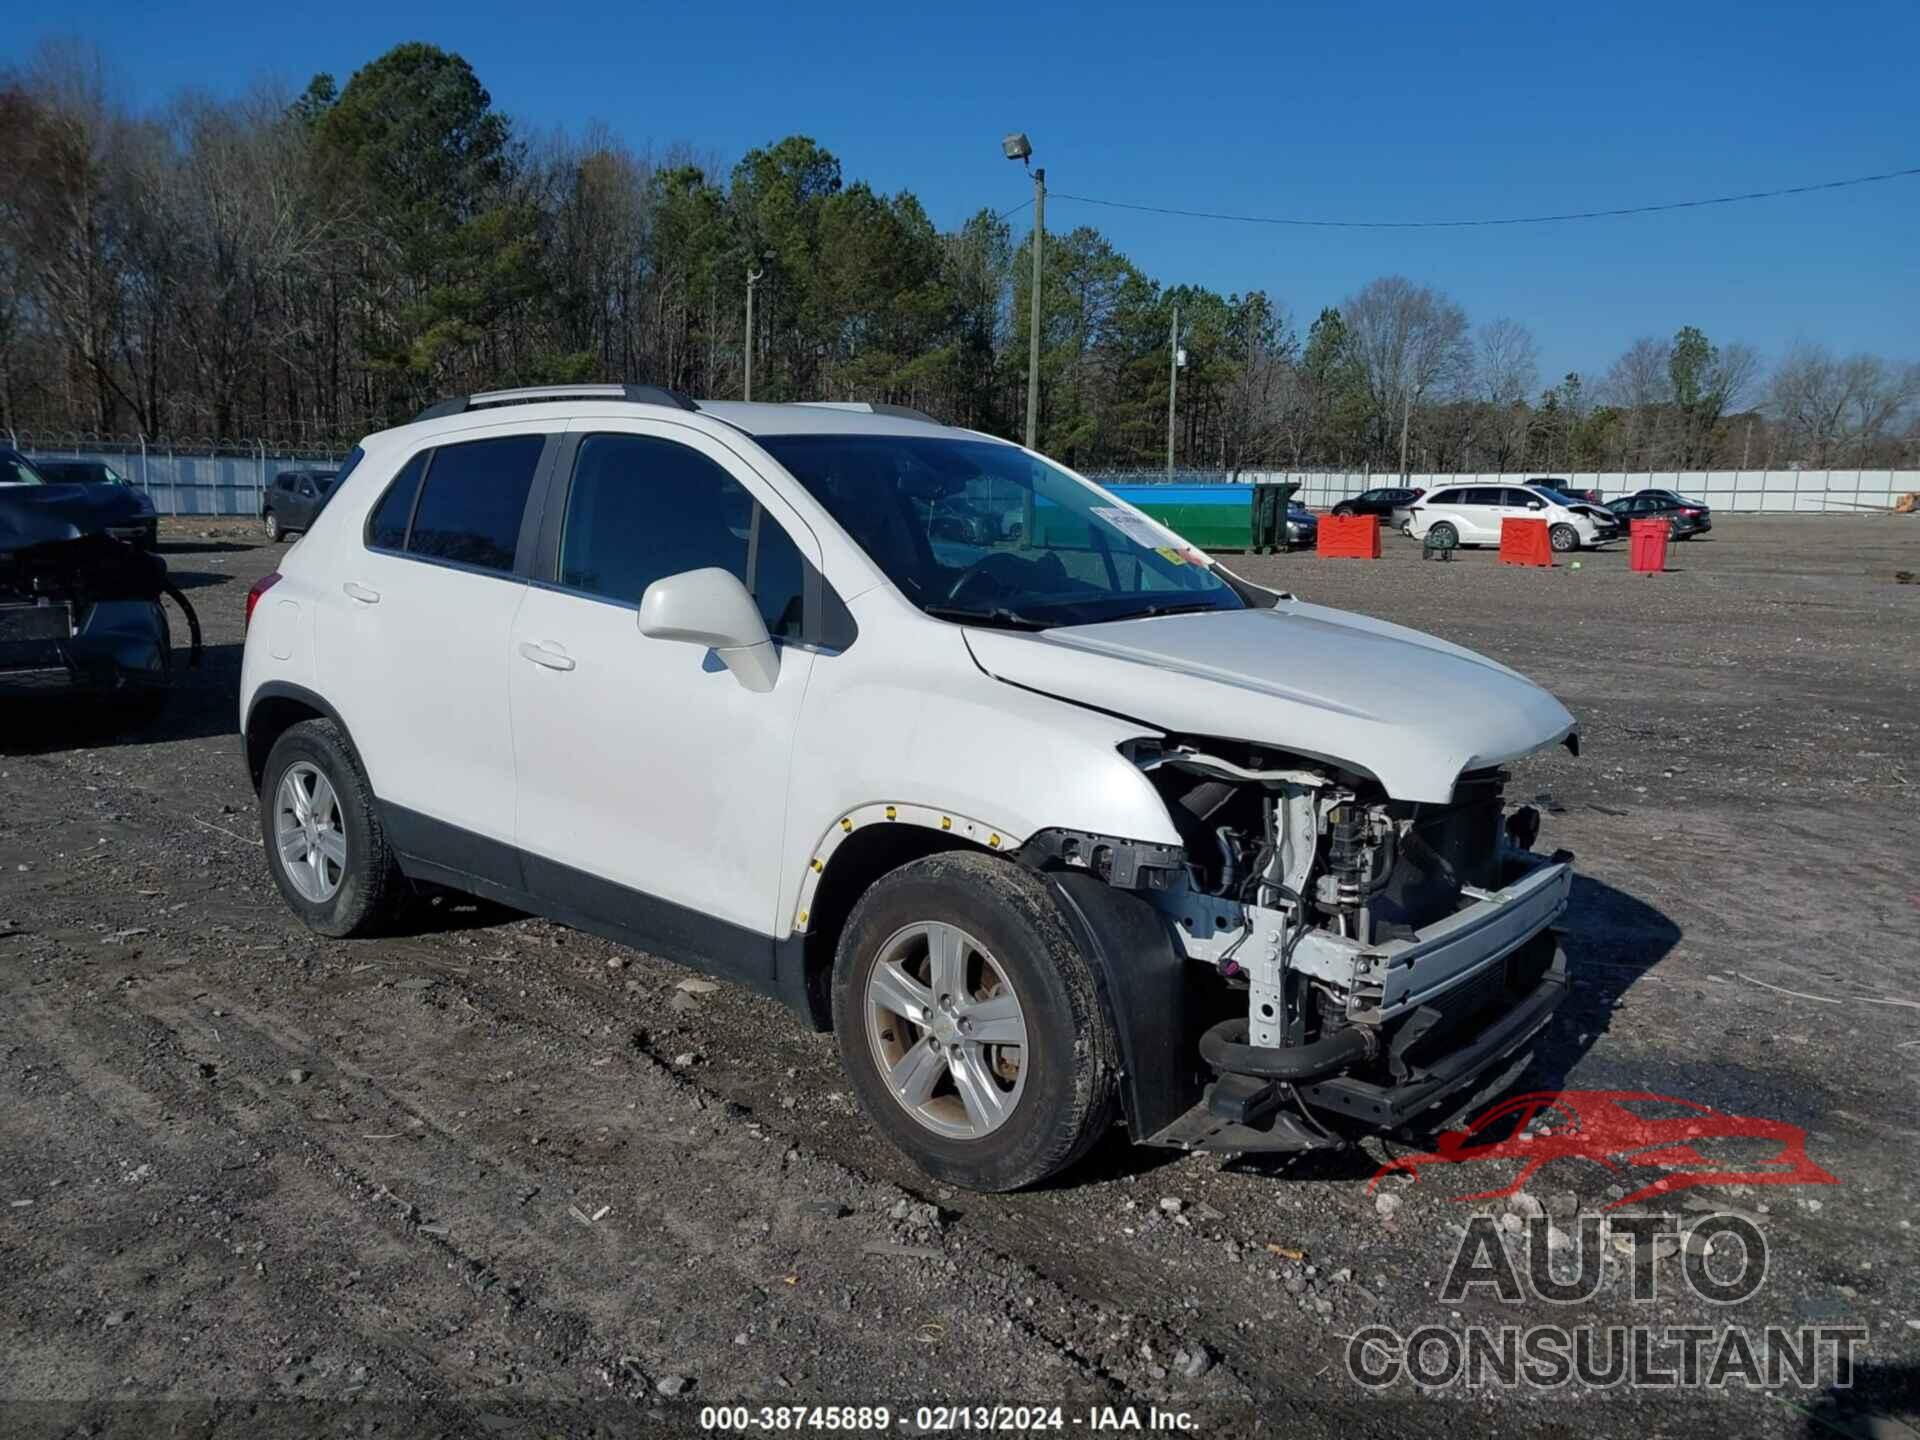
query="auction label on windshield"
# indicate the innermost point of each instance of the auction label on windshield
(1135, 527)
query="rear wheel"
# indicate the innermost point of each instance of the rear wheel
(969, 1025)
(325, 845)
(1564, 538)
(1443, 535)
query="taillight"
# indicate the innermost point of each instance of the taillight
(260, 587)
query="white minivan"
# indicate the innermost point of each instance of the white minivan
(1472, 515)
(1051, 818)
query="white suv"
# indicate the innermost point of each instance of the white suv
(1471, 515)
(1050, 817)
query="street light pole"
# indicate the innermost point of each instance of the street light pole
(753, 278)
(1173, 382)
(1406, 423)
(1033, 324)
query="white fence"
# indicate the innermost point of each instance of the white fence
(1783, 492)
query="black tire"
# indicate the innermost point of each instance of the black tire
(1564, 538)
(1443, 535)
(1343, 509)
(1071, 1060)
(369, 884)
(272, 522)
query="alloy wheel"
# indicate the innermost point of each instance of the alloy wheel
(946, 1030)
(308, 833)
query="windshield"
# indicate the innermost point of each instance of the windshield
(14, 470)
(983, 533)
(1558, 497)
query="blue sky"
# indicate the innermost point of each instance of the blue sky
(1382, 111)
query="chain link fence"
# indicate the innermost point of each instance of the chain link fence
(186, 476)
(200, 477)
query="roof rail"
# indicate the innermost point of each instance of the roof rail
(533, 394)
(872, 407)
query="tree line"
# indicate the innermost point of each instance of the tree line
(306, 269)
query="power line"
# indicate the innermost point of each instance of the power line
(1018, 208)
(1505, 220)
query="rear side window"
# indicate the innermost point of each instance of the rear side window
(640, 509)
(472, 500)
(1448, 497)
(387, 526)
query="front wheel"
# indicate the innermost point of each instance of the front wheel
(274, 532)
(969, 1025)
(1564, 538)
(1343, 510)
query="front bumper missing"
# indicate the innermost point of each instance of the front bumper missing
(1432, 1054)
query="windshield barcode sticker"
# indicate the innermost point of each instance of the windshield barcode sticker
(1136, 528)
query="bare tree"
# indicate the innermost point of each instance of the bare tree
(1640, 385)
(1411, 340)
(1506, 368)
(1831, 406)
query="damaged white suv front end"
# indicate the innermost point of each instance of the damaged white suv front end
(1380, 934)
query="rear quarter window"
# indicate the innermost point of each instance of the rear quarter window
(387, 525)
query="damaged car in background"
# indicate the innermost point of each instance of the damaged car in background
(81, 615)
(1048, 816)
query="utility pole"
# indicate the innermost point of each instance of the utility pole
(1033, 324)
(1173, 382)
(1406, 422)
(754, 273)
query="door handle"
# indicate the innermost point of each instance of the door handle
(541, 655)
(355, 591)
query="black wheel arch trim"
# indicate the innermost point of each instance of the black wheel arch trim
(1146, 983)
(281, 690)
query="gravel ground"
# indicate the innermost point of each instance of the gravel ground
(491, 1176)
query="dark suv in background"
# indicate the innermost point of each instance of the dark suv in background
(294, 499)
(1394, 505)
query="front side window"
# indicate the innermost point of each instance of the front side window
(472, 500)
(640, 509)
(983, 533)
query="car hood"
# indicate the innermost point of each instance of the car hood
(1411, 710)
(88, 507)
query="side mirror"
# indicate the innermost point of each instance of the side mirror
(712, 608)
(1536, 504)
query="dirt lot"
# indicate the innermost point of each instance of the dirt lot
(492, 1176)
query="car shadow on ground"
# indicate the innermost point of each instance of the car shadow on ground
(1611, 940)
(1881, 1392)
(201, 547)
(197, 579)
(201, 702)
